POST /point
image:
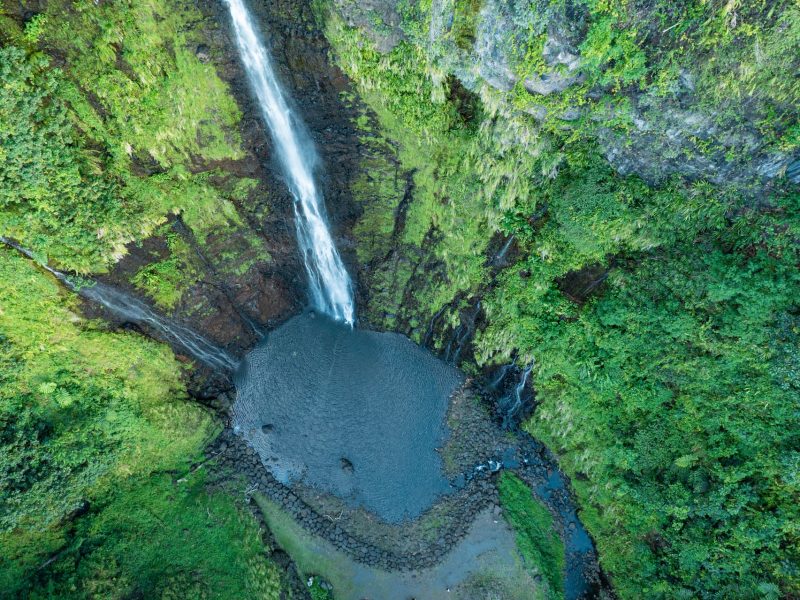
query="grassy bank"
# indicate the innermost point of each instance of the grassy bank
(537, 539)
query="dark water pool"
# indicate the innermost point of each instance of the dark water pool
(359, 414)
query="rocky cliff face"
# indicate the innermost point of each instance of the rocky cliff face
(580, 191)
(540, 58)
(248, 275)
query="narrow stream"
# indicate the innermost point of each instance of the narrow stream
(135, 311)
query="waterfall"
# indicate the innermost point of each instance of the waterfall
(135, 311)
(511, 405)
(329, 284)
(495, 383)
(500, 257)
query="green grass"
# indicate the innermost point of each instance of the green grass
(161, 538)
(537, 539)
(101, 419)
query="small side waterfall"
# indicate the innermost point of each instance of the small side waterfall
(135, 311)
(499, 259)
(513, 403)
(514, 395)
(329, 284)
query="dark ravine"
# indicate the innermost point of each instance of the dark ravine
(232, 311)
(475, 478)
(227, 307)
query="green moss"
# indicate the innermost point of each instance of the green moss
(165, 281)
(537, 539)
(312, 555)
(242, 188)
(379, 188)
(244, 251)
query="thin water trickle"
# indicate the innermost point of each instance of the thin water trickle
(329, 284)
(500, 257)
(131, 309)
(134, 310)
(512, 404)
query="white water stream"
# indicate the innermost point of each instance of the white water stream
(329, 284)
(130, 309)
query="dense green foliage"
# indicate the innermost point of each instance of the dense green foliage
(537, 540)
(663, 319)
(95, 155)
(740, 55)
(157, 538)
(97, 422)
(98, 496)
(78, 403)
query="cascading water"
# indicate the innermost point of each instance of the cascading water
(329, 283)
(135, 311)
(513, 403)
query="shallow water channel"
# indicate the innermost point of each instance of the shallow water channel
(358, 414)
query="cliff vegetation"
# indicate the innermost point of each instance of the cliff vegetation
(651, 273)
